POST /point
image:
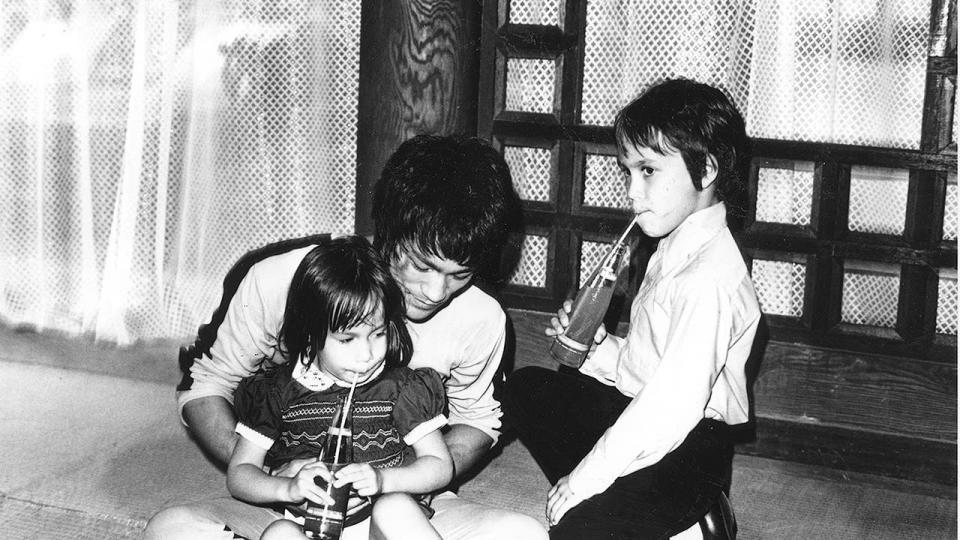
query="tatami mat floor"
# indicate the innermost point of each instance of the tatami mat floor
(93, 447)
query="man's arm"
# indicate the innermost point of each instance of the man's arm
(474, 412)
(467, 445)
(242, 340)
(212, 423)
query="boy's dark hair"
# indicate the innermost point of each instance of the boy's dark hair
(338, 285)
(697, 120)
(448, 196)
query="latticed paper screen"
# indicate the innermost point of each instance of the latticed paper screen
(878, 200)
(530, 170)
(531, 269)
(785, 193)
(871, 292)
(843, 72)
(947, 303)
(825, 72)
(545, 12)
(779, 286)
(149, 143)
(950, 209)
(604, 185)
(530, 84)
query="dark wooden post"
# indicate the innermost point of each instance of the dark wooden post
(418, 74)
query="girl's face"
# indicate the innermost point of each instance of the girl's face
(359, 350)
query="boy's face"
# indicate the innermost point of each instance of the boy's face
(428, 282)
(661, 190)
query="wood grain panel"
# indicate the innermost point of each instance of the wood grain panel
(418, 74)
(879, 393)
(895, 456)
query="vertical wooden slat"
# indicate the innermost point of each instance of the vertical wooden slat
(824, 276)
(488, 80)
(825, 216)
(917, 308)
(574, 22)
(924, 217)
(941, 77)
(567, 252)
(571, 91)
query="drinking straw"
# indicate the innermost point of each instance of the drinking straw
(343, 417)
(623, 236)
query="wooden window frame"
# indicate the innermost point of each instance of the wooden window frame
(823, 245)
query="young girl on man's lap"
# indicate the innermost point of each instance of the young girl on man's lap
(343, 322)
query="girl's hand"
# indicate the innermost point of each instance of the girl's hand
(291, 468)
(303, 485)
(366, 480)
(355, 502)
(560, 499)
(560, 323)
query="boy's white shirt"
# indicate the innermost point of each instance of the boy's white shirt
(464, 342)
(692, 325)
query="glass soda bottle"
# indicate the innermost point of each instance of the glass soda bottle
(589, 307)
(322, 521)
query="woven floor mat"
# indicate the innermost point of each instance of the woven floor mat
(23, 520)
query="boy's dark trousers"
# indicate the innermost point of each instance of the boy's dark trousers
(560, 415)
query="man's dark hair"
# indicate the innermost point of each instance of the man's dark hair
(697, 120)
(448, 196)
(338, 285)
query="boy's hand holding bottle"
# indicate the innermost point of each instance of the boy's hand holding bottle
(559, 324)
(581, 320)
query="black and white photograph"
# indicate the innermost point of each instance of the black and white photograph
(478, 269)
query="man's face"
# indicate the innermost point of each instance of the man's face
(661, 191)
(428, 281)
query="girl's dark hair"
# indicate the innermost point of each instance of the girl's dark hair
(697, 120)
(448, 196)
(338, 285)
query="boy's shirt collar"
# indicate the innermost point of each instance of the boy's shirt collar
(692, 234)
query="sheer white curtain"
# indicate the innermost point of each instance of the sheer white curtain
(841, 71)
(146, 144)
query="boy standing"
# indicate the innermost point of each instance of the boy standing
(641, 447)
(442, 208)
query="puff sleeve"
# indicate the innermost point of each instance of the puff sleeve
(257, 406)
(420, 405)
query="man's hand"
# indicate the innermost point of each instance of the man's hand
(560, 499)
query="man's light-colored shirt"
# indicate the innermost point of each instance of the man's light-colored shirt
(464, 342)
(692, 325)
